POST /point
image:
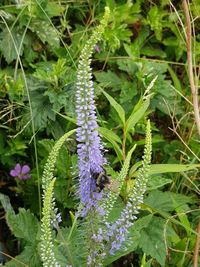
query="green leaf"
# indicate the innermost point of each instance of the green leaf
(134, 49)
(67, 240)
(177, 82)
(67, 117)
(152, 240)
(155, 20)
(166, 168)
(166, 201)
(110, 135)
(109, 80)
(28, 258)
(157, 181)
(23, 225)
(136, 115)
(9, 42)
(5, 202)
(46, 32)
(116, 106)
(116, 210)
(183, 219)
(153, 52)
(54, 9)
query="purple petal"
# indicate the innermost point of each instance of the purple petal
(18, 169)
(13, 173)
(25, 169)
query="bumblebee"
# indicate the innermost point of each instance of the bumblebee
(102, 181)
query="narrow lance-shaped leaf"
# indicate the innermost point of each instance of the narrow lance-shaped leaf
(140, 108)
(166, 168)
(136, 115)
(116, 106)
(113, 139)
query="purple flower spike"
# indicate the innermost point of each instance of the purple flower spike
(90, 149)
(21, 172)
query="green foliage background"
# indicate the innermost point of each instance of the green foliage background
(40, 42)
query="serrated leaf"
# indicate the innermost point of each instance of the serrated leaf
(109, 79)
(28, 258)
(9, 42)
(23, 225)
(168, 201)
(128, 91)
(116, 106)
(71, 246)
(46, 32)
(152, 240)
(155, 20)
(166, 168)
(136, 115)
(134, 49)
(157, 181)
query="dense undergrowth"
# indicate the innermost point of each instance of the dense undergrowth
(140, 72)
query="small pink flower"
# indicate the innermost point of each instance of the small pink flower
(21, 172)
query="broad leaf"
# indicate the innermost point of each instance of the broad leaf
(9, 43)
(109, 80)
(152, 240)
(46, 32)
(28, 258)
(71, 248)
(23, 225)
(166, 201)
(157, 181)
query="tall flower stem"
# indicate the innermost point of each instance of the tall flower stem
(90, 149)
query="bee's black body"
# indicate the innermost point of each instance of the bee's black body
(102, 180)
